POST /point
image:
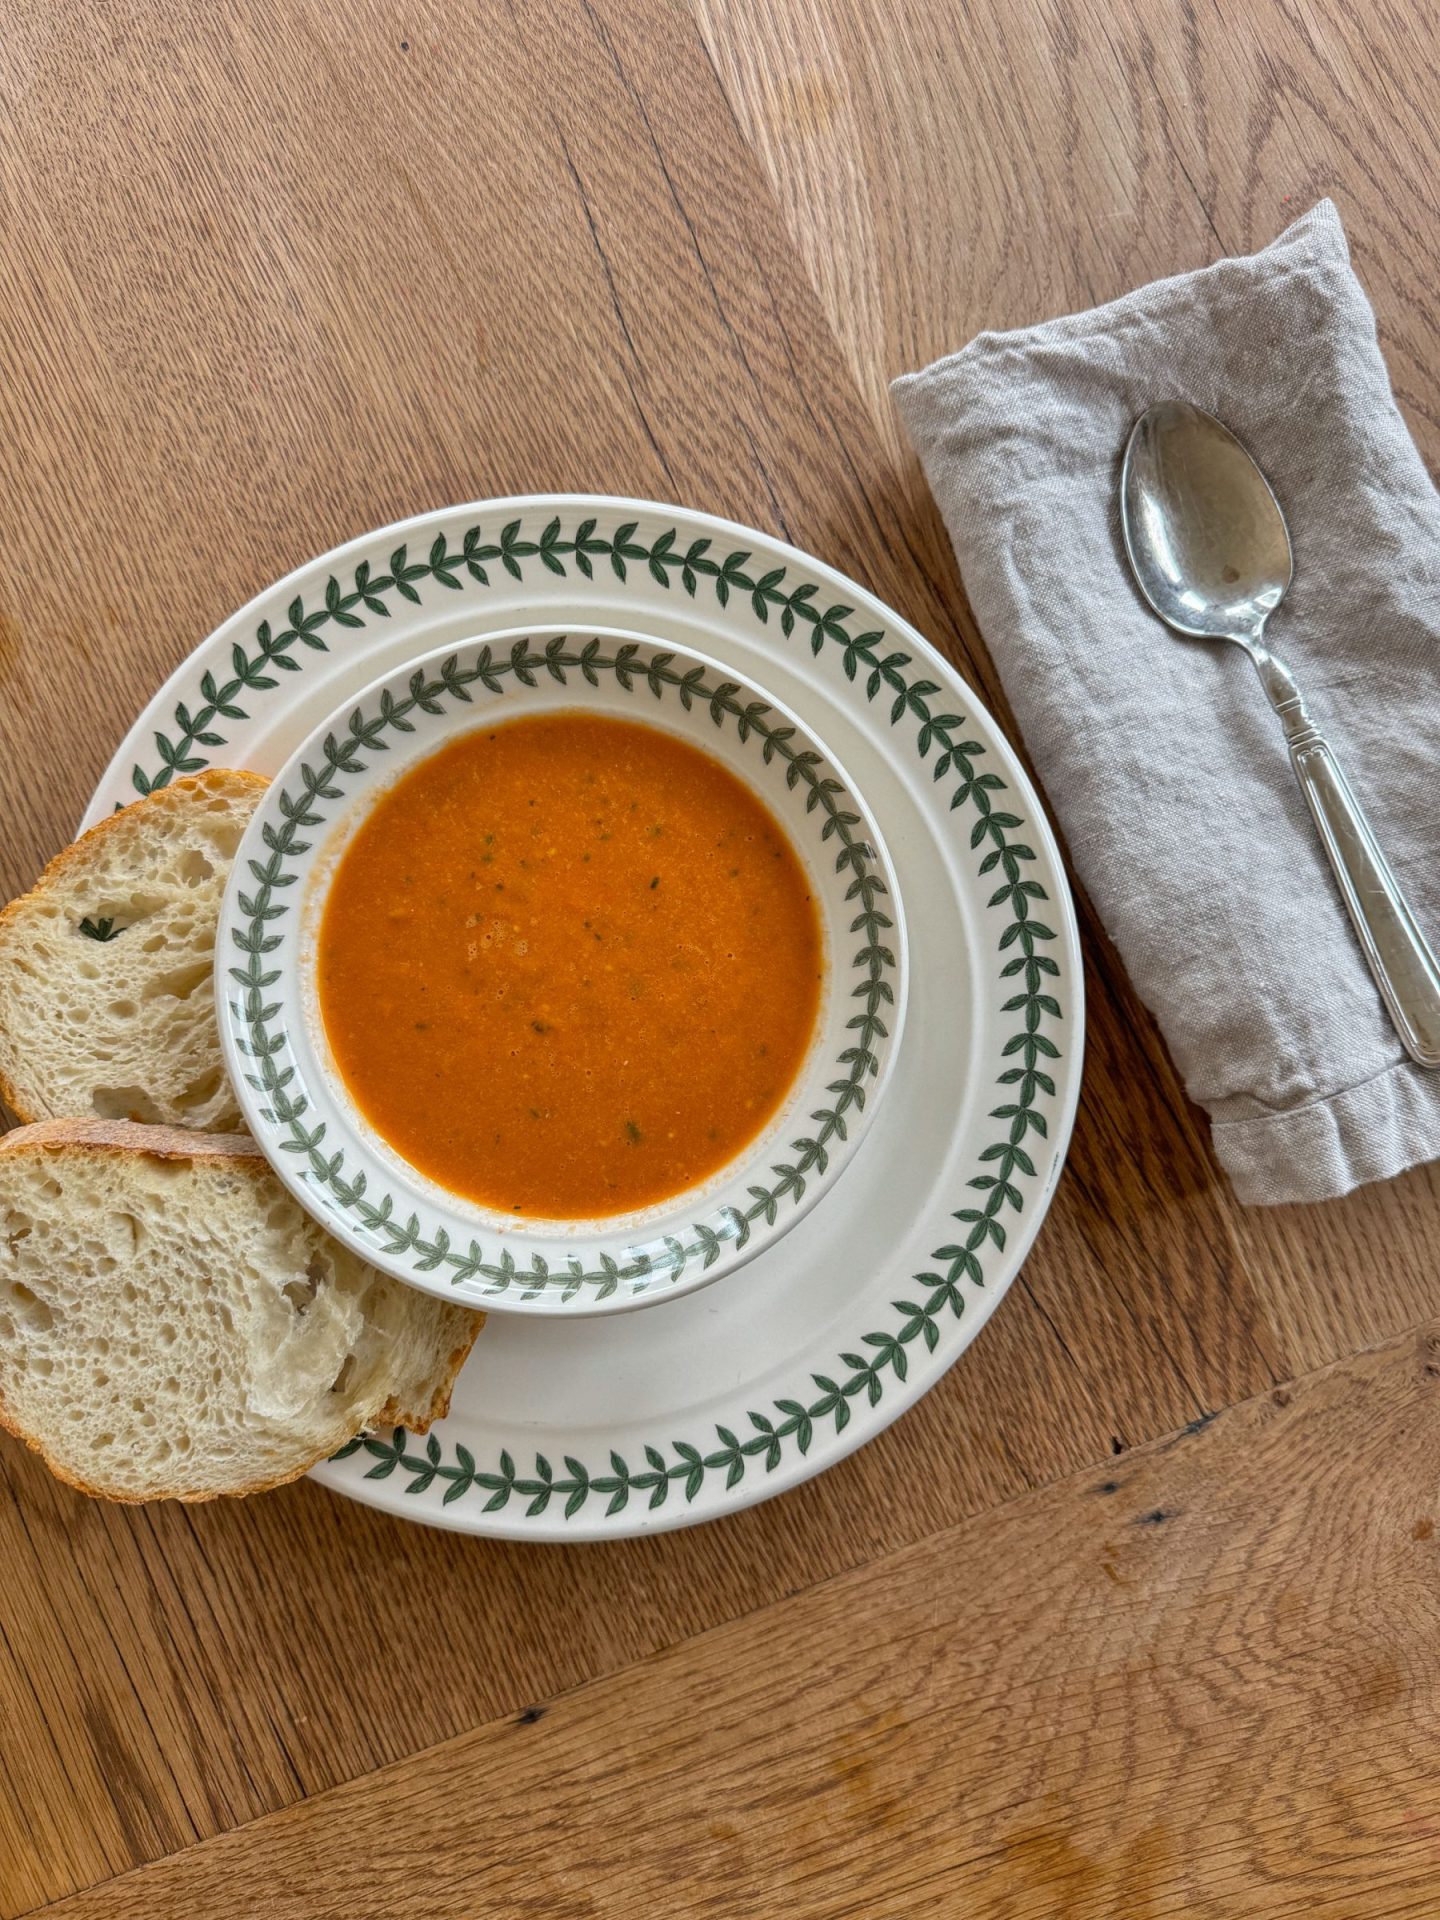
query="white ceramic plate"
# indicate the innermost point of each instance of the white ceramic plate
(698, 1406)
(294, 1097)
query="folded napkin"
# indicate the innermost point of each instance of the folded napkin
(1161, 757)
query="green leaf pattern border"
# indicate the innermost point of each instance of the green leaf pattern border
(264, 1039)
(1027, 1083)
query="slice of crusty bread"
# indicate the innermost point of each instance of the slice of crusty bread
(106, 1002)
(173, 1325)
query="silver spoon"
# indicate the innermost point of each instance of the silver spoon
(1211, 553)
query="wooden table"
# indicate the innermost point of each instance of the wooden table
(1139, 1621)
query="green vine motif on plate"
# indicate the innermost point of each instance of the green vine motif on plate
(1022, 936)
(265, 1039)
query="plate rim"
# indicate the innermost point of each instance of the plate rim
(797, 1466)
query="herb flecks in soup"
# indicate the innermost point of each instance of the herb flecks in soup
(569, 966)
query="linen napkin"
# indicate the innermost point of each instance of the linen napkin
(1161, 757)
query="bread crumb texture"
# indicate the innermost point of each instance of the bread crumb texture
(174, 1325)
(106, 998)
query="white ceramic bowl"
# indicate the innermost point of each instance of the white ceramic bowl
(332, 1158)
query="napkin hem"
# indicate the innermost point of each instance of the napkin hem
(1371, 1131)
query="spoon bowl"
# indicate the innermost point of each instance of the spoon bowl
(1203, 530)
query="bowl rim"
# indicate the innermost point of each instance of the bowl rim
(656, 1266)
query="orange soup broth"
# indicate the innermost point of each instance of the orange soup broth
(569, 966)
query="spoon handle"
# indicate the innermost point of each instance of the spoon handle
(1399, 956)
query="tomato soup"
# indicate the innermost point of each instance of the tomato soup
(569, 966)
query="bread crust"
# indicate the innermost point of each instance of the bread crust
(134, 1136)
(218, 780)
(128, 1137)
(394, 1414)
(118, 1497)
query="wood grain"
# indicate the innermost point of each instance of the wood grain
(274, 275)
(956, 165)
(1202, 1682)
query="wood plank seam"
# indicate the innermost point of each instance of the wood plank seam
(1154, 1584)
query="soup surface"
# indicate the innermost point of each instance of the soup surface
(569, 966)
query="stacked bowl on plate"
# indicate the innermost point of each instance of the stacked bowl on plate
(726, 1094)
